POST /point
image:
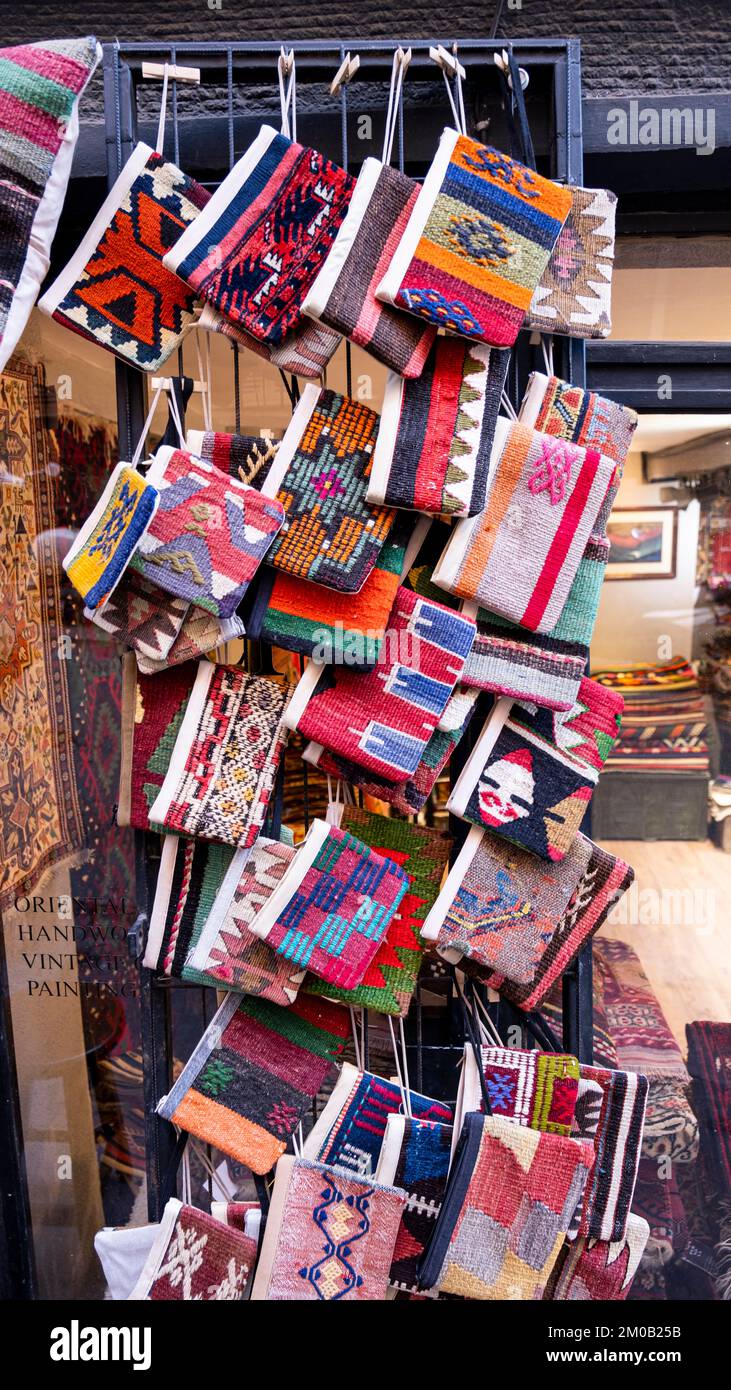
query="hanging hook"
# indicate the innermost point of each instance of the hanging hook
(287, 73)
(501, 61)
(451, 68)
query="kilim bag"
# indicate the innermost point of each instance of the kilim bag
(510, 1195)
(333, 906)
(349, 1133)
(600, 1270)
(152, 713)
(142, 617)
(574, 293)
(344, 294)
(407, 797)
(116, 290)
(107, 541)
(329, 1236)
(435, 436)
(40, 87)
(266, 232)
(536, 1089)
(546, 492)
(210, 533)
(537, 667)
(415, 1157)
(188, 1255)
(226, 757)
(390, 980)
(190, 875)
(383, 719)
(500, 906)
(617, 1143)
(247, 457)
(306, 350)
(331, 535)
(603, 884)
(531, 777)
(201, 632)
(227, 953)
(255, 1073)
(325, 623)
(477, 242)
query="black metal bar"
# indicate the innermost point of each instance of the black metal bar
(663, 377)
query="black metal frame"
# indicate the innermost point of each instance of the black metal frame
(316, 63)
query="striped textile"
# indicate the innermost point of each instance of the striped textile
(617, 1146)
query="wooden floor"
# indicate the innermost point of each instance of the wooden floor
(678, 919)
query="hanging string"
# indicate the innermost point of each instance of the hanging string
(460, 95)
(137, 455)
(205, 382)
(356, 1045)
(405, 1097)
(288, 94)
(163, 111)
(508, 406)
(547, 349)
(488, 1022)
(405, 1060)
(186, 1185)
(400, 63)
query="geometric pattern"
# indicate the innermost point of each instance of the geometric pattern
(383, 719)
(209, 536)
(433, 450)
(421, 1169)
(389, 982)
(333, 910)
(617, 1143)
(152, 712)
(510, 1196)
(116, 290)
(537, 1089)
(141, 616)
(40, 84)
(575, 290)
(255, 1073)
(103, 547)
(349, 1133)
(332, 535)
(599, 1270)
(486, 226)
(204, 1260)
(270, 225)
(336, 1237)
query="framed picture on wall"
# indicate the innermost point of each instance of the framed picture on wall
(643, 543)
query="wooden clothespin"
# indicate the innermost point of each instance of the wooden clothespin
(448, 62)
(501, 61)
(403, 58)
(165, 383)
(345, 73)
(286, 61)
(155, 72)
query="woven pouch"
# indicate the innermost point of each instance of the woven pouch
(510, 1196)
(190, 875)
(188, 1255)
(415, 1157)
(574, 293)
(116, 290)
(436, 433)
(617, 1143)
(141, 617)
(209, 535)
(152, 713)
(40, 88)
(383, 719)
(604, 882)
(540, 668)
(107, 541)
(407, 797)
(227, 953)
(331, 535)
(201, 632)
(500, 906)
(266, 232)
(333, 906)
(535, 1089)
(477, 242)
(546, 492)
(350, 1131)
(422, 853)
(226, 757)
(306, 350)
(531, 777)
(599, 1270)
(329, 1236)
(343, 295)
(247, 457)
(254, 1075)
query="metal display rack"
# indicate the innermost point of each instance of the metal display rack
(209, 145)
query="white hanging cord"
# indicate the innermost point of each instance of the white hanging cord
(405, 1063)
(405, 1099)
(508, 406)
(206, 380)
(547, 348)
(296, 1146)
(356, 1044)
(460, 94)
(452, 69)
(173, 403)
(401, 62)
(137, 455)
(489, 1026)
(163, 111)
(288, 94)
(186, 1185)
